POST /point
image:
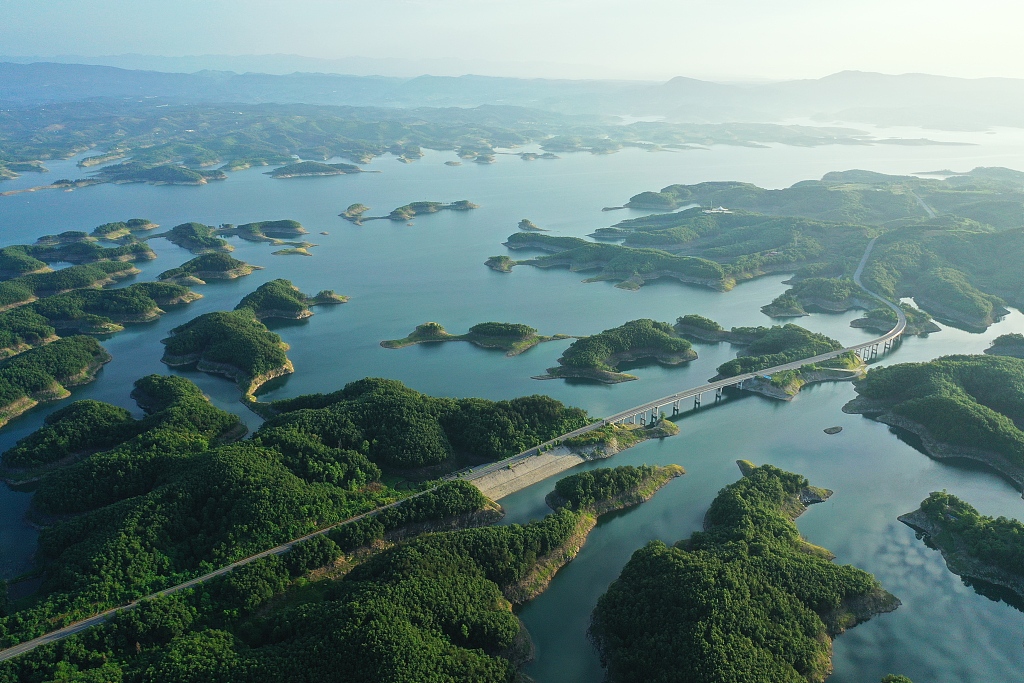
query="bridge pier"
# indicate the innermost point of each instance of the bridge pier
(696, 401)
(718, 394)
(675, 408)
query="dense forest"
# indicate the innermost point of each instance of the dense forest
(197, 238)
(212, 266)
(512, 338)
(746, 600)
(234, 343)
(397, 427)
(282, 299)
(26, 288)
(598, 355)
(434, 608)
(766, 347)
(975, 402)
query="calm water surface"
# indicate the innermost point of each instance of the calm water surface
(399, 276)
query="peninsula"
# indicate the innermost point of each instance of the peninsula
(212, 266)
(282, 299)
(1007, 345)
(511, 338)
(597, 357)
(954, 414)
(976, 547)
(750, 538)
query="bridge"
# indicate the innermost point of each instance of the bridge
(651, 411)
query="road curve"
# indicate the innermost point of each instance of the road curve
(896, 331)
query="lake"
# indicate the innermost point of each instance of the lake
(399, 276)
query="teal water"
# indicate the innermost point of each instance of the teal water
(399, 276)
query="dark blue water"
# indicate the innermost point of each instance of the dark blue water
(399, 276)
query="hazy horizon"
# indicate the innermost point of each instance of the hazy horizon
(649, 40)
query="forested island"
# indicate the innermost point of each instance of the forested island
(509, 337)
(28, 288)
(767, 347)
(234, 344)
(960, 406)
(1007, 345)
(160, 174)
(303, 169)
(983, 550)
(281, 299)
(103, 311)
(769, 602)
(123, 231)
(212, 266)
(883, 319)
(196, 237)
(356, 212)
(598, 356)
(264, 231)
(307, 612)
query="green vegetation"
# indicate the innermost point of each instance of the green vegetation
(98, 311)
(1007, 345)
(409, 211)
(15, 262)
(606, 487)
(27, 288)
(354, 213)
(235, 344)
(630, 267)
(974, 546)
(527, 224)
(213, 266)
(282, 299)
(502, 264)
(380, 614)
(745, 600)
(699, 322)
(818, 293)
(164, 174)
(779, 345)
(312, 168)
(397, 427)
(45, 373)
(973, 404)
(598, 356)
(509, 337)
(123, 230)
(196, 237)
(21, 329)
(883, 319)
(266, 231)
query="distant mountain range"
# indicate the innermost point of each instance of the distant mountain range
(909, 99)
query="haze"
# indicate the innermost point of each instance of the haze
(648, 39)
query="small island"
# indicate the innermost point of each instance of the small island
(733, 579)
(162, 174)
(829, 295)
(78, 247)
(196, 237)
(502, 264)
(234, 344)
(409, 211)
(265, 231)
(105, 311)
(955, 414)
(883, 319)
(38, 285)
(530, 226)
(123, 231)
(512, 338)
(1007, 345)
(979, 548)
(282, 299)
(306, 169)
(354, 213)
(213, 266)
(597, 357)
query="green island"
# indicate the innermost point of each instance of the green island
(502, 264)
(509, 337)
(123, 231)
(68, 247)
(766, 601)
(28, 288)
(960, 406)
(103, 311)
(626, 266)
(234, 344)
(530, 226)
(160, 174)
(266, 231)
(45, 373)
(883, 319)
(212, 266)
(133, 506)
(598, 356)
(196, 237)
(282, 299)
(983, 550)
(1007, 345)
(767, 347)
(831, 295)
(372, 597)
(949, 244)
(305, 169)
(355, 213)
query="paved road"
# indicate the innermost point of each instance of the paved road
(103, 616)
(901, 324)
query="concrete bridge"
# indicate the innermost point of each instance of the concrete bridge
(651, 411)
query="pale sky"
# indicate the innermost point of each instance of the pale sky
(656, 39)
